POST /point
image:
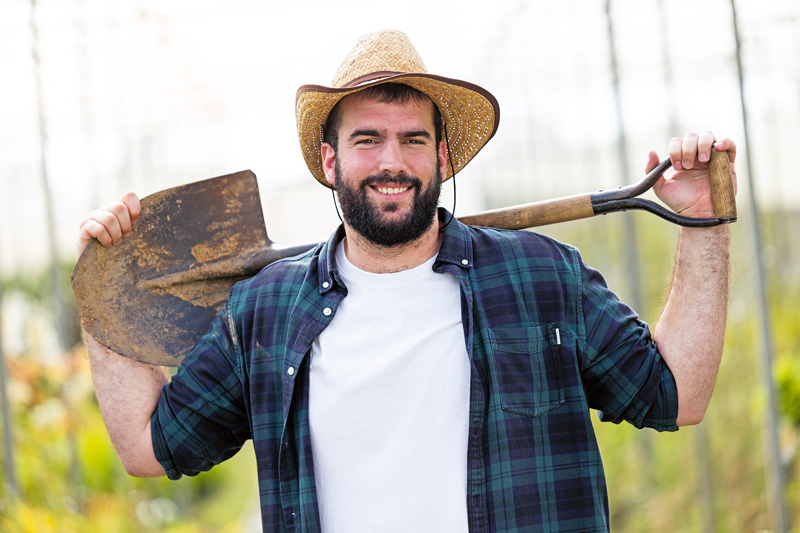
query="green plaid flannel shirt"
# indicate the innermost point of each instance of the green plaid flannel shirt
(547, 341)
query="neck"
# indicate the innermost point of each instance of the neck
(377, 259)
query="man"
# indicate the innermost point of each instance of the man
(413, 373)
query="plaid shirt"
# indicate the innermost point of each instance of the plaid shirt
(547, 341)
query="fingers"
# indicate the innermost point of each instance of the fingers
(133, 210)
(688, 190)
(692, 149)
(122, 215)
(688, 151)
(110, 223)
(652, 161)
(704, 143)
(727, 145)
(101, 225)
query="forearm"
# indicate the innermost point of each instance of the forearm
(691, 328)
(127, 392)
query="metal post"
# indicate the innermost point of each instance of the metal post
(58, 297)
(777, 483)
(60, 312)
(631, 255)
(633, 268)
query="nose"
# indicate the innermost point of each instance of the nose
(391, 158)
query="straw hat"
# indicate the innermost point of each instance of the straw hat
(470, 113)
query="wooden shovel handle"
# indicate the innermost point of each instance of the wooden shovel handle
(534, 214)
(588, 205)
(721, 180)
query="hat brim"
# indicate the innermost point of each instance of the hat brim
(470, 113)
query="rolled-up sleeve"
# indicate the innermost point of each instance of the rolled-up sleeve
(200, 419)
(623, 373)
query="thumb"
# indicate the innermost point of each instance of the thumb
(652, 161)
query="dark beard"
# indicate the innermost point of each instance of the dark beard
(365, 217)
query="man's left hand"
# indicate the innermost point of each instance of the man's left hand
(687, 191)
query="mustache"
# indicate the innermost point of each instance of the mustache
(384, 178)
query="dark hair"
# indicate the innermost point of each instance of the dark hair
(387, 93)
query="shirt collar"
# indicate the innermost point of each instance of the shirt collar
(457, 243)
(328, 276)
(456, 249)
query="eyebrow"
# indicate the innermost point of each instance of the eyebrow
(376, 133)
(365, 133)
(416, 133)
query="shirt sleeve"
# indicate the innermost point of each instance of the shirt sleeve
(200, 419)
(623, 373)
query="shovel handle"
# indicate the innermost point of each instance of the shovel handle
(623, 198)
(721, 181)
(534, 214)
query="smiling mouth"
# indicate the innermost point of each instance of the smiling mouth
(391, 190)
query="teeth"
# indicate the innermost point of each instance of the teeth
(395, 190)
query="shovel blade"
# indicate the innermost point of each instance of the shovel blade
(182, 234)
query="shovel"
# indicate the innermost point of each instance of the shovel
(152, 296)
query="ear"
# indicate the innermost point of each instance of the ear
(442, 155)
(328, 163)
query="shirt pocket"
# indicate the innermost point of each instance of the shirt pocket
(528, 367)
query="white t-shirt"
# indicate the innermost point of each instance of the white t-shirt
(389, 404)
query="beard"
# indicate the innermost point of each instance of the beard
(366, 218)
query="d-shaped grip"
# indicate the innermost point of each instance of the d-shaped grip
(721, 181)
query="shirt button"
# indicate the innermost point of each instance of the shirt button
(327, 311)
(325, 285)
(465, 261)
(290, 371)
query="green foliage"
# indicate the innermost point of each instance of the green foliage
(787, 370)
(69, 478)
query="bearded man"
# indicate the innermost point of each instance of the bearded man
(413, 373)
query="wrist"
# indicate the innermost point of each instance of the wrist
(721, 231)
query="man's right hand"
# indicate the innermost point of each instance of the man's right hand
(110, 223)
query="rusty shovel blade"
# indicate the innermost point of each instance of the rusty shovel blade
(152, 296)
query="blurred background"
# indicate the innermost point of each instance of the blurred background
(99, 98)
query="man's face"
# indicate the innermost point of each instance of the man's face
(387, 169)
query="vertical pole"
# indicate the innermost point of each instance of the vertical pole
(777, 481)
(633, 268)
(631, 248)
(58, 297)
(60, 312)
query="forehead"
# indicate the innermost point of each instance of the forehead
(356, 111)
